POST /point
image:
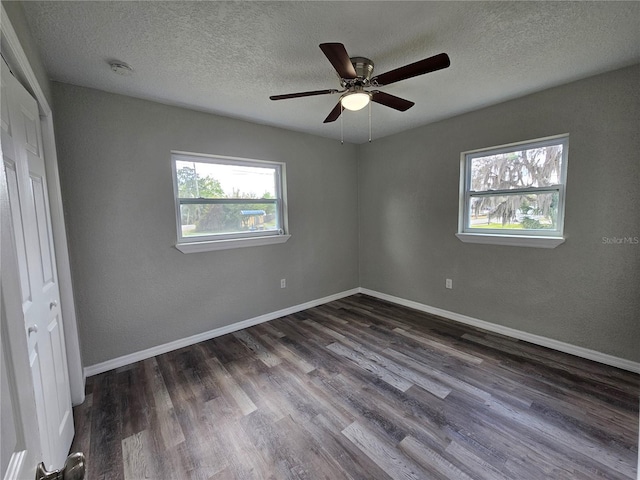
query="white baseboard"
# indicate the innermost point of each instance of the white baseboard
(456, 317)
(216, 332)
(512, 332)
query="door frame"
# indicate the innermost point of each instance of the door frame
(19, 62)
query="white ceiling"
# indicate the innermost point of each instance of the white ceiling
(228, 57)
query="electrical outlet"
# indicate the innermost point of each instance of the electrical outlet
(283, 283)
(448, 283)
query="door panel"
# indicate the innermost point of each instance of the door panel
(39, 388)
(4, 112)
(56, 340)
(29, 118)
(21, 247)
(45, 241)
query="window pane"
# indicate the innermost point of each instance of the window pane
(533, 211)
(206, 219)
(531, 167)
(209, 180)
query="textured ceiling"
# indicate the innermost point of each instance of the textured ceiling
(228, 57)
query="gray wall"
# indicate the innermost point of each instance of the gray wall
(134, 289)
(19, 23)
(584, 292)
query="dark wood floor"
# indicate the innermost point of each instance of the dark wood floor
(360, 389)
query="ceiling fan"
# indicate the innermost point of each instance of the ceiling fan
(355, 79)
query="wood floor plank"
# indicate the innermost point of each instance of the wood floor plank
(204, 445)
(565, 437)
(454, 352)
(106, 430)
(348, 455)
(227, 348)
(482, 470)
(387, 410)
(360, 389)
(550, 373)
(386, 456)
(330, 332)
(422, 370)
(293, 454)
(260, 352)
(134, 405)
(287, 354)
(271, 330)
(371, 367)
(427, 383)
(231, 388)
(165, 417)
(431, 460)
(248, 375)
(377, 356)
(243, 458)
(138, 458)
(82, 423)
(313, 461)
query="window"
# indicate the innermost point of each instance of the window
(514, 194)
(225, 202)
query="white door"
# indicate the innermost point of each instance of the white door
(20, 449)
(19, 438)
(39, 295)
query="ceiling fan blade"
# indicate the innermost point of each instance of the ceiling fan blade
(431, 64)
(339, 58)
(302, 94)
(391, 101)
(335, 113)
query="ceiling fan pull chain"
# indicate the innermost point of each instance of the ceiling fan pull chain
(341, 125)
(369, 122)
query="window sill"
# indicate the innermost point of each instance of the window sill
(511, 240)
(195, 247)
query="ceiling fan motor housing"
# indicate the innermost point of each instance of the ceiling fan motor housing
(364, 69)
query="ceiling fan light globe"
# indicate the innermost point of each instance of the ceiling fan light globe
(355, 101)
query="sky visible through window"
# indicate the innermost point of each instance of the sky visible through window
(236, 178)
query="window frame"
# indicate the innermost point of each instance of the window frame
(225, 241)
(542, 238)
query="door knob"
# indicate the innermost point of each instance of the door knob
(53, 304)
(33, 329)
(73, 469)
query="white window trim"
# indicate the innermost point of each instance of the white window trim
(511, 240)
(536, 238)
(207, 243)
(208, 246)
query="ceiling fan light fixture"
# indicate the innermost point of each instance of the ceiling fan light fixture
(355, 101)
(121, 68)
